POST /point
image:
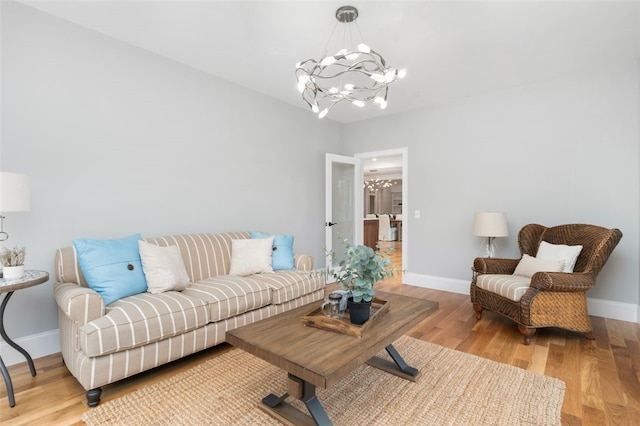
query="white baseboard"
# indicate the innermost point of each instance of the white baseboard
(614, 310)
(597, 307)
(36, 345)
(47, 343)
(437, 283)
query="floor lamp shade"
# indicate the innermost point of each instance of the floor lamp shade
(15, 192)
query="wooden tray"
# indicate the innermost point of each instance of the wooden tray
(318, 320)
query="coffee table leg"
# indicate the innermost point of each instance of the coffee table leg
(400, 362)
(284, 411)
(398, 367)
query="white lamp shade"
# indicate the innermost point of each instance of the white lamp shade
(15, 192)
(490, 224)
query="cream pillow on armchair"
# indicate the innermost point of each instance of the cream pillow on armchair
(530, 265)
(569, 254)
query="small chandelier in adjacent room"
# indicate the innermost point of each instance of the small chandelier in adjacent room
(355, 74)
(375, 184)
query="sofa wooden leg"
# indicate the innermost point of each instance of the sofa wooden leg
(93, 397)
(478, 310)
(526, 333)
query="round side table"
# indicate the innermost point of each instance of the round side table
(30, 279)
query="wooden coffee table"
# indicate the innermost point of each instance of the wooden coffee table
(315, 357)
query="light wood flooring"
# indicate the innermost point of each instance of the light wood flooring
(602, 375)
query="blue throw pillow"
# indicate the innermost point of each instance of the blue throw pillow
(112, 267)
(282, 256)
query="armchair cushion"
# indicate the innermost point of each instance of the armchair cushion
(530, 265)
(510, 286)
(564, 252)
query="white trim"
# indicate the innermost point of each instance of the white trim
(437, 283)
(597, 307)
(36, 345)
(615, 310)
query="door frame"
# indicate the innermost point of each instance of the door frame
(404, 152)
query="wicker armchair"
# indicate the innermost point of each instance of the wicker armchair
(553, 299)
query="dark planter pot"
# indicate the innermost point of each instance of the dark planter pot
(359, 312)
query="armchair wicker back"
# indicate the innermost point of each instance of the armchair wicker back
(554, 299)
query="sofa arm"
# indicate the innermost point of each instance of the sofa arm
(80, 304)
(489, 265)
(562, 281)
(303, 262)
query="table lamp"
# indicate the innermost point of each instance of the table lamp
(15, 196)
(490, 225)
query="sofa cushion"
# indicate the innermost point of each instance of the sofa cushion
(229, 295)
(512, 287)
(289, 285)
(282, 256)
(163, 267)
(204, 255)
(142, 319)
(112, 267)
(250, 257)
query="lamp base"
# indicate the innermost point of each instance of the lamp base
(488, 248)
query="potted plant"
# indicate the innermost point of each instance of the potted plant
(13, 262)
(359, 269)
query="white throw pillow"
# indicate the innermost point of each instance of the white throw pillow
(251, 256)
(163, 268)
(530, 265)
(569, 254)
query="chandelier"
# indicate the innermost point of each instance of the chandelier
(357, 75)
(375, 184)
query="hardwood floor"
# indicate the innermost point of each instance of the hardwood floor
(602, 375)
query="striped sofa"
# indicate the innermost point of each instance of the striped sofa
(101, 345)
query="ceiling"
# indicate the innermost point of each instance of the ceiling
(383, 167)
(451, 49)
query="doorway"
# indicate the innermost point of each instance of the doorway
(385, 178)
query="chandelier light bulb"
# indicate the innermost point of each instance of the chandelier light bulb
(328, 61)
(364, 48)
(390, 75)
(402, 73)
(362, 74)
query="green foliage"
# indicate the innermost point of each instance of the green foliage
(13, 257)
(360, 269)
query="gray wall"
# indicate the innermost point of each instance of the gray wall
(118, 141)
(562, 151)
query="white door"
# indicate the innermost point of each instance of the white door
(343, 195)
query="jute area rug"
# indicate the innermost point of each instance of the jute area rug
(454, 388)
